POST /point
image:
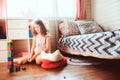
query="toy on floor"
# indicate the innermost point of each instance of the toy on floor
(10, 56)
(11, 66)
(23, 68)
(16, 67)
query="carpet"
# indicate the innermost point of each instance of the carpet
(82, 62)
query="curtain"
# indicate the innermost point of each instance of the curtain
(2, 8)
(80, 10)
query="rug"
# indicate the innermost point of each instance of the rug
(82, 62)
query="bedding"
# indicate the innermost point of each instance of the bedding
(88, 27)
(68, 28)
(104, 45)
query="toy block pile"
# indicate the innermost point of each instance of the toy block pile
(10, 56)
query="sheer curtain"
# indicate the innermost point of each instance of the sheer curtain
(41, 8)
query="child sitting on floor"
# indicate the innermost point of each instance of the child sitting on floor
(41, 42)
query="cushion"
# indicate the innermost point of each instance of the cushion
(24, 53)
(88, 27)
(48, 64)
(68, 28)
(55, 56)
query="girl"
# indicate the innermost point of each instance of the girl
(41, 42)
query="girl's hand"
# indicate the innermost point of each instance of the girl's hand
(32, 58)
(29, 58)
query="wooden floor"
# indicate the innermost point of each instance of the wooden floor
(106, 71)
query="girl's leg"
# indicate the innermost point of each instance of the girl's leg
(38, 59)
(23, 59)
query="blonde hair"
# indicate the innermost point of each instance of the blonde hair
(42, 27)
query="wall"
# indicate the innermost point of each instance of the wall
(106, 13)
(88, 9)
(53, 33)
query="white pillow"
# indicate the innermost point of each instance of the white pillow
(55, 56)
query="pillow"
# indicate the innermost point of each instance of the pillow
(68, 28)
(88, 27)
(55, 56)
(48, 64)
(25, 53)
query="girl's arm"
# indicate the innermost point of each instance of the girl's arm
(32, 50)
(33, 47)
(47, 44)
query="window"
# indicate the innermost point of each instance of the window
(66, 8)
(41, 8)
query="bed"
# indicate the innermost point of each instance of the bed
(87, 38)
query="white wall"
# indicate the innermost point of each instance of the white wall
(106, 13)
